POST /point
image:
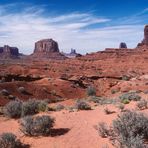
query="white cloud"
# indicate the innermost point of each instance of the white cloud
(24, 28)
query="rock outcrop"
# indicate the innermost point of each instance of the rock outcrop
(46, 45)
(145, 40)
(122, 45)
(72, 54)
(9, 52)
(146, 35)
(48, 49)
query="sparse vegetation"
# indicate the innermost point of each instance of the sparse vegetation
(131, 96)
(125, 101)
(22, 90)
(17, 108)
(30, 107)
(42, 106)
(11, 97)
(33, 106)
(5, 92)
(130, 130)
(82, 105)
(107, 111)
(59, 107)
(125, 78)
(121, 107)
(13, 109)
(9, 140)
(113, 91)
(103, 129)
(36, 126)
(142, 104)
(95, 99)
(91, 91)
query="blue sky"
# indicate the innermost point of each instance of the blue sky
(86, 25)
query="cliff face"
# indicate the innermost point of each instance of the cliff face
(46, 46)
(9, 52)
(48, 49)
(146, 35)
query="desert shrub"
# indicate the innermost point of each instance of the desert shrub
(16, 108)
(30, 107)
(82, 105)
(143, 104)
(103, 130)
(42, 106)
(9, 140)
(1, 110)
(5, 92)
(59, 107)
(131, 129)
(35, 126)
(13, 109)
(2, 80)
(22, 90)
(125, 101)
(130, 96)
(121, 107)
(107, 111)
(91, 91)
(113, 91)
(125, 78)
(11, 97)
(95, 99)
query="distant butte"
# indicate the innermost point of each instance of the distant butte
(9, 52)
(48, 49)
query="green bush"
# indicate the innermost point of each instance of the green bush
(125, 101)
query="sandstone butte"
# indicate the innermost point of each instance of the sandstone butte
(47, 74)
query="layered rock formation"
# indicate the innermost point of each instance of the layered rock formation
(146, 35)
(145, 40)
(9, 52)
(47, 48)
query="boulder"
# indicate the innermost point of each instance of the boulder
(122, 45)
